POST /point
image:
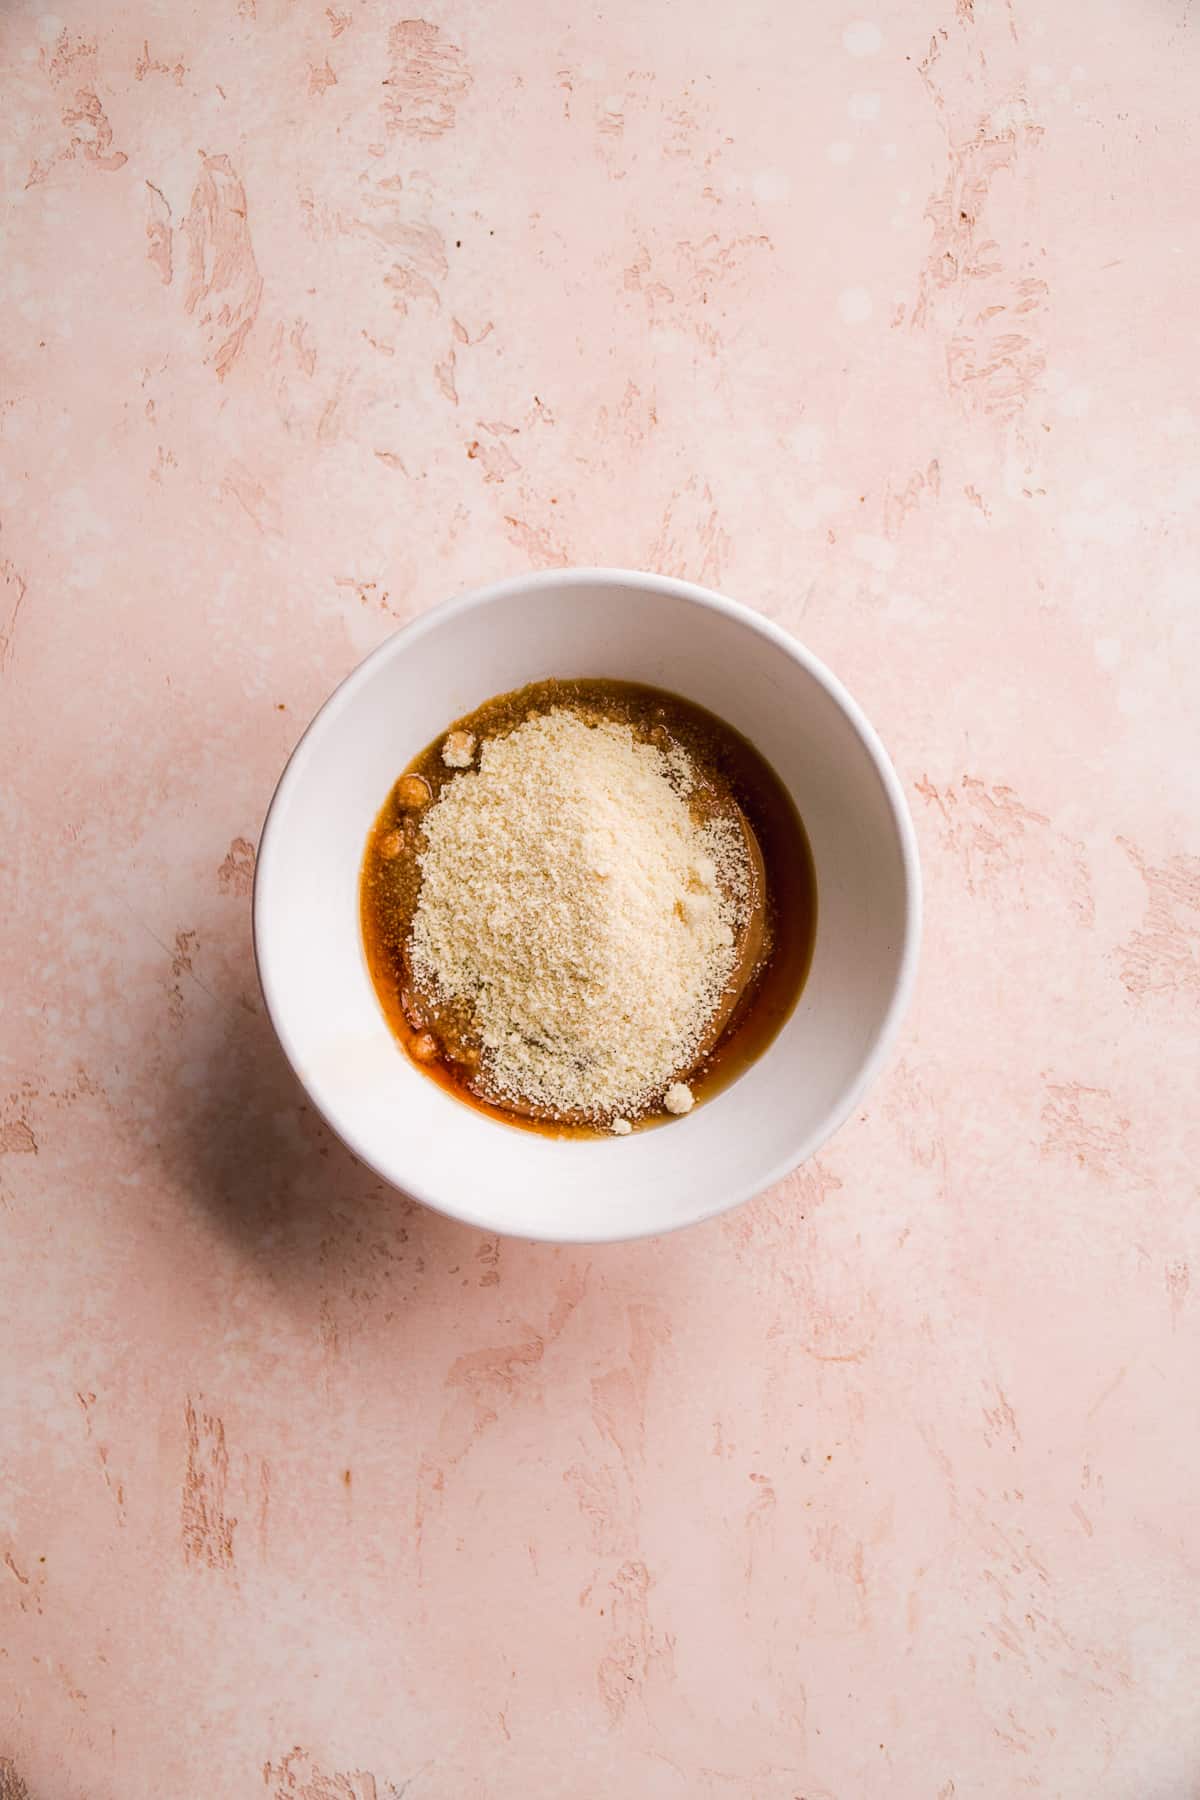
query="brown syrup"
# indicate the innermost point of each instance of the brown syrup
(731, 769)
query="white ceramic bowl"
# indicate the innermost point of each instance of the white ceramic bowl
(599, 622)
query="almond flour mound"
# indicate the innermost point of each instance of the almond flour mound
(572, 904)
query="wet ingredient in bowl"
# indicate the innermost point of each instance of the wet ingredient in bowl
(566, 907)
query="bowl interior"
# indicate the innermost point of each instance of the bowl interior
(638, 628)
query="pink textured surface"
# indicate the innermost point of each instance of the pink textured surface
(885, 1485)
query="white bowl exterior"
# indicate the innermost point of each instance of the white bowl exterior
(309, 948)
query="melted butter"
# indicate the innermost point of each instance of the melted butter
(773, 943)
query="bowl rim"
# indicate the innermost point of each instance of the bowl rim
(495, 593)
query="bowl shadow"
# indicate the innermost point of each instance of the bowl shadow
(247, 1146)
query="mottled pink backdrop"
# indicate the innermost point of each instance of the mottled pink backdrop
(889, 1484)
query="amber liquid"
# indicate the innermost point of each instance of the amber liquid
(390, 884)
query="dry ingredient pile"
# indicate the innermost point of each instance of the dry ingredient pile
(581, 913)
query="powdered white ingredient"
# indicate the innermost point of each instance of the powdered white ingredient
(679, 1098)
(458, 751)
(571, 900)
